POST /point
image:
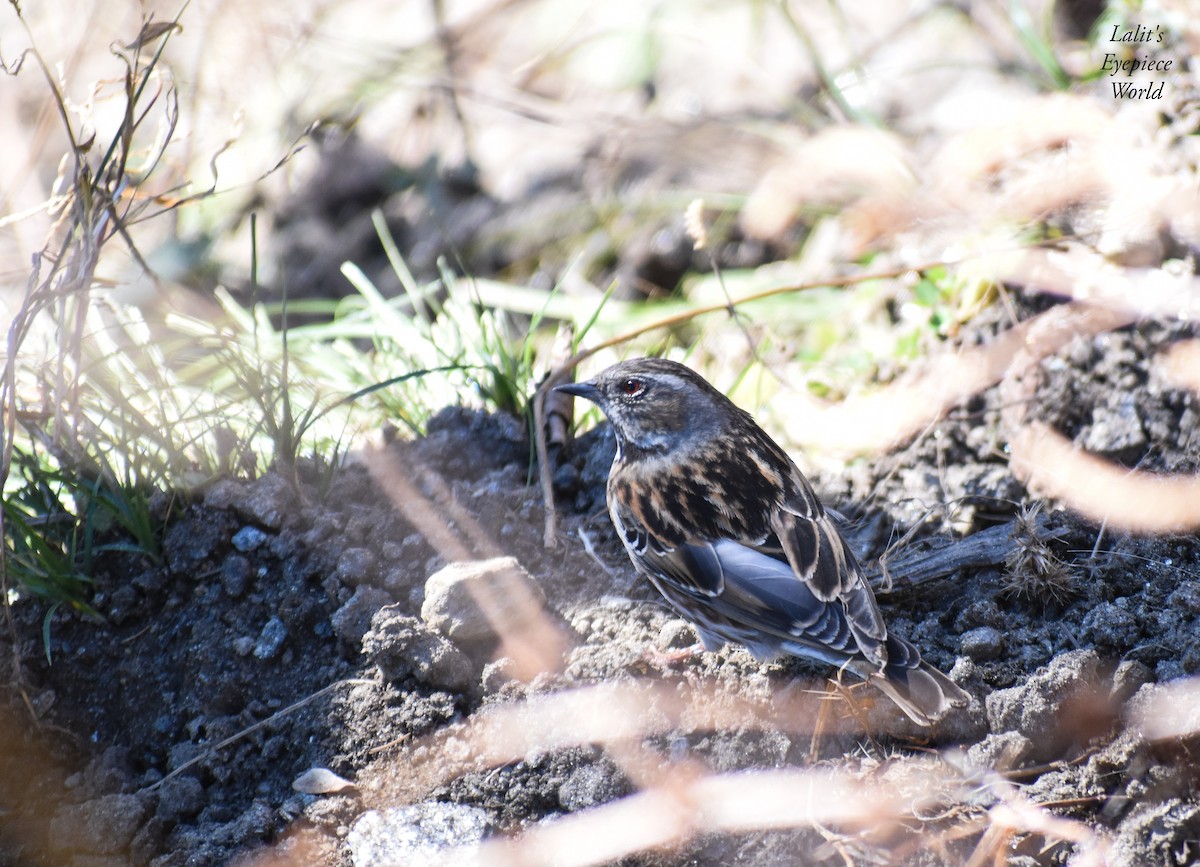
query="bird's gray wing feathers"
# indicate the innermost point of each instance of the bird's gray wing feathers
(763, 594)
(735, 593)
(757, 595)
(766, 591)
(810, 541)
(694, 569)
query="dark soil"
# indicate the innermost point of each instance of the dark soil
(167, 732)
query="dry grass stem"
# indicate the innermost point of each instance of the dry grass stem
(720, 803)
(1084, 275)
(1102, 491)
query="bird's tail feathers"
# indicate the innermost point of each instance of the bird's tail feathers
(923, 692)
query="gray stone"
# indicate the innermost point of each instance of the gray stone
(983, 643)
(416, 835)
(1115, 428)
(1129, 677)
(1112, 626)
(473, 602)
(265, 501)
(248, 538)
(500, 674)
(589, 785)
(1156, 832)
(190, 542)
(676, 635)
(268, 501)
(180, 798)
(1035, 708)
(1002, 752)
(235, 575)
(270, 640)
(356, 566)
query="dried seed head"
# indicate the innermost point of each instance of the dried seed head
(1032, 570)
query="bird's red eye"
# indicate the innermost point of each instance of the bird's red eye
(632, 387)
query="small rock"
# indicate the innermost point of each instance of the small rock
(243, 645)
(352, 620)
(982, 643)
(104, 826)
(356, 566)
(182, 754)
(1186, 597)
(320, 781)
(109, 771)
(287, 545)
(180, 798)
(1156, 832)
(271, 639)
(223, 493)
(1115, 429)
(333, 813)
(498, 674)
(268, 501)
(472, 602)
(1129, 677)
(248, 538)
(121, 605)
(235, 575)
(416, 835)
(400, 582)
(405, 647)
(589, 785)
(150, 580)
(192, 540)
(675, 635)
(255, 824)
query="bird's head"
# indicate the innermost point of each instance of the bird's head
(655, 405)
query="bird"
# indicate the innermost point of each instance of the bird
(725, 526)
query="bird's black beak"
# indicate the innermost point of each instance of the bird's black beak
(580, 389)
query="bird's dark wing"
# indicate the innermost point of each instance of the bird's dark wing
(821, 559)
(694, 569)
(812, 550)
(761, 604)
(735, 593)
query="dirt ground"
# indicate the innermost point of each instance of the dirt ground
(172, 732)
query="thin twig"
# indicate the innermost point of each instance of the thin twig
(211, 751)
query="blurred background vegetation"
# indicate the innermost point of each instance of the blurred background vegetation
(237, 235)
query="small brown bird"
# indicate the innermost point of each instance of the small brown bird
(723, 523)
